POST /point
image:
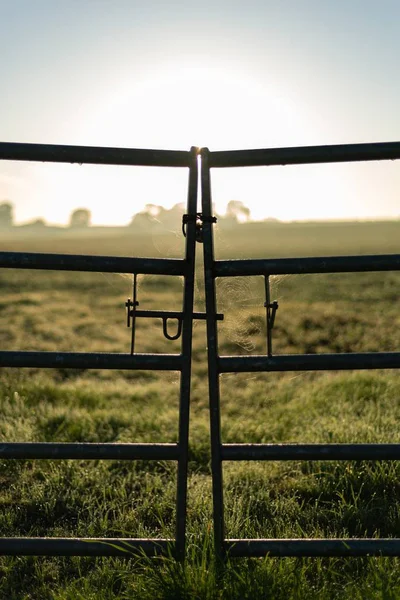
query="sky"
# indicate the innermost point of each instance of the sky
(221, 74)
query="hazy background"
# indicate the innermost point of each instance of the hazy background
(223, 74)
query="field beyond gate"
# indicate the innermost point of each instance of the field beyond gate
(336, 313)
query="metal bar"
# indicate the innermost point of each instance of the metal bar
(133, 312)
(187, 337)
(305, 155)
(173, 314)
(309, 362)
(268, 314)
(84, 547)
(310, 451)
(313, 547)
(212, 356)
(302, 266)
(89, 451)
(93, 155)
(85, 360)
(77, 262)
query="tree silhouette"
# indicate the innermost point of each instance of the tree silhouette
(80, 218)
(154, 216)
(6, 215)
(237, 211)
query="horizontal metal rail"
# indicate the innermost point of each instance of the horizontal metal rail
(86, 360)
(310, 452)
(302, 266)
(313, 547)
(172, 314)
(89, 451)
(94, 155)
(84, 546)
(305, 155)
(82, 262)
(309, 362)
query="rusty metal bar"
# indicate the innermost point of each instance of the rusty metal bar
(125, 547)
(86, 360)
(89, 451)
(313, 547)
(94, 155)
(81, 262)
(310, 452)
(305, 155)
(307, 265)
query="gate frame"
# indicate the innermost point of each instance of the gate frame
(216, 364)
(176, 362)
(266, 363)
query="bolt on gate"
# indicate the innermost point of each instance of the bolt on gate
(269, 362)
(133, 361)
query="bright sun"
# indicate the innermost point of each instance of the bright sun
(174, 109)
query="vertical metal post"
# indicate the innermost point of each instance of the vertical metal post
(271, 308)
(268, 315)
(212, 349)
(134, 300)
(186, 348)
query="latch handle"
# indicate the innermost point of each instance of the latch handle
(271, 307)
(129, 304)
(178, 333)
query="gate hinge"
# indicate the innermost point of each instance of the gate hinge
(199, 219)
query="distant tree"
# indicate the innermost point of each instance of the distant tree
(37, 224)
(236, 211)
(171, 218)
(80, 218)
(148, 218)
(142, 219)
(6, 215)
(153, 210)
(154, 215)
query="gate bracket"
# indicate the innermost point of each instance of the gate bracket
(129, 304)
(199, 219)
(271, 307)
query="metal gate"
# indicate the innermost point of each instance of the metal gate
(304, 362)
(199, 227)
(133, 361)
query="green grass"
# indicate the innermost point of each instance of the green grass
(85, 312)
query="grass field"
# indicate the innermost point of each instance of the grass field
(42, 310)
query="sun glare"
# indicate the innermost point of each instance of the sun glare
(174, 109)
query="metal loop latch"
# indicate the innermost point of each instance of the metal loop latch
(199, 219)
(165, 328)
(273, 307)
(129, 304)
(133, 314)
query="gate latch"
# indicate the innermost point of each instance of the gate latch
(199, 219)
(166, 315)
(271, 307)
